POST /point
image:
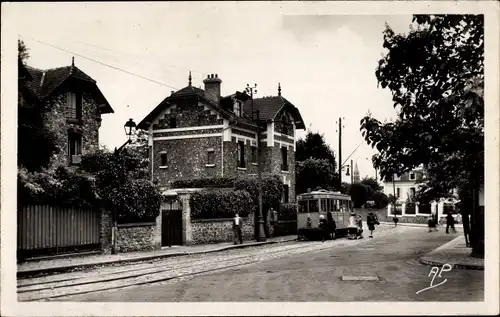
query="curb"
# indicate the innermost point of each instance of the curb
(64, 269)
(424, 261)
(427, 259)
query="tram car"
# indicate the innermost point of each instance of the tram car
(313, 204)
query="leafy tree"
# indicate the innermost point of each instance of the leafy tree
(314, 146)
(371, 183)
(315, 164)
(36, 143)
(314, 173)
(22, 51)
(436, 76)
(359, 194)
(345, 188)
(381, 200)
(121, 186)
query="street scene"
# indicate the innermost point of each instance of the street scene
(297, 158)
(386, 268)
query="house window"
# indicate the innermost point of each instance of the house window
(241, 154)
(412, 192)
(74, 147)
(210, 157)
(254, 154)
(284, 159)
(285, 194)
(412, 176)
(397, 192)
(74, 105)
(163, 159)
(173, 123)
(237, 108)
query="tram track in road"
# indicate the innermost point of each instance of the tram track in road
(86, 284)
(69, 284)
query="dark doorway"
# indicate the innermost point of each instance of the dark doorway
(171, 224)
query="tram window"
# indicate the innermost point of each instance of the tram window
(302, 206)
(323, 205)
(328, 204)
(313, 205)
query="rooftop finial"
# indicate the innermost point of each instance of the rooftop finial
(190, 78)
(73, 61)
(279, 89)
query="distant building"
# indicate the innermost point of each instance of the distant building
(404, 187)
(355, 174)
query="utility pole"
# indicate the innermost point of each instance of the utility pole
(352, 173)
(261, 234)
(340, 153)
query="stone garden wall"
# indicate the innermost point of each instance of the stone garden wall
(136, 237)
(204, 231)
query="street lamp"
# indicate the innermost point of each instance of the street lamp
(261, 235)
(129, 128)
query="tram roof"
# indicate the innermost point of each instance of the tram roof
(323, 193)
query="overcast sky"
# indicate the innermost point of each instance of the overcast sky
(325, 63)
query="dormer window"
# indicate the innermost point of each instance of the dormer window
(412, 176)
(237, 108)
(74, 105)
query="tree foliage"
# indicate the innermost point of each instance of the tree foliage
(359, 194)
(372, 185)
(314, 146)
(314, 173)
(436, 76)
(22, 51)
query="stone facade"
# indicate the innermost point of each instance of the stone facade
(218, 230)
(106, 231)
(186, 159)
(136, 237)
(88, 127)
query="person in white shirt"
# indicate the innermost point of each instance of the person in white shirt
(237, 229)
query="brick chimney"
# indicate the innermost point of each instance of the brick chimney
(212, 88)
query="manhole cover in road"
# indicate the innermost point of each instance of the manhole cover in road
(360, 278)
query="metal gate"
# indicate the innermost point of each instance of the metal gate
(46, 230)
(171, 223)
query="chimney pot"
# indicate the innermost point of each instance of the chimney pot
(216, 76)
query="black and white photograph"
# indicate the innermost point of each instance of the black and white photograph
(250, 158)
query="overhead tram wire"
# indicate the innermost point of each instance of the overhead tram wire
(104, 64)
(353, 152)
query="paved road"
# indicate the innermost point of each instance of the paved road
(301, 271)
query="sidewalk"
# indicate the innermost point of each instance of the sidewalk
(458, 227)
(454, 253)
(70, 263)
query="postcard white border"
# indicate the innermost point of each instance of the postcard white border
(490, 9)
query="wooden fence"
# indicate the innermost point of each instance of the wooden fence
(48, 229)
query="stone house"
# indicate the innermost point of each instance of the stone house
(72, 105)
(198, 133)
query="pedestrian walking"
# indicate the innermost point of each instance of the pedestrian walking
(372, 220)
(323, 227)
(331, 224)
(450, 222)
(237, 229)
(395, 219)
(360, 227)
(432, 224)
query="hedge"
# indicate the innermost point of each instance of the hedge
(204, 182)
(220, 204)
(287, 212)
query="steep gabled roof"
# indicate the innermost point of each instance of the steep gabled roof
(269, 108)
(191, 91)
(45, 82)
